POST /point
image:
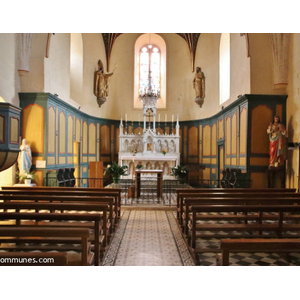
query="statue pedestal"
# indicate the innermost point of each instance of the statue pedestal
(276, 177)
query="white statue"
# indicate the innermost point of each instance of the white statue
(24, 158)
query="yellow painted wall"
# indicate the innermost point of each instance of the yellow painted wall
(261, 117)
(33, 127)
(51, 130)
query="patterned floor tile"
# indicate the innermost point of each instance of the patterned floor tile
(148, 238)
(149, 235)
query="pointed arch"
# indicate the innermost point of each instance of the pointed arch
(160, 43)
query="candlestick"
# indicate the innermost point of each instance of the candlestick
(126, 117)
(172, 118)
(165, 117)
(159, 118)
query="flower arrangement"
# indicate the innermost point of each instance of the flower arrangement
(164, 152)
(139, 165)
(179, 171)
(115, 170)
(23, 176)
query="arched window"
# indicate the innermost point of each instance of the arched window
(150, 55)
(224, 67)
(149, 67)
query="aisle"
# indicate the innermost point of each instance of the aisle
(148, 237)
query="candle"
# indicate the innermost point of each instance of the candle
(126, 117)
(159, 118)
(165, 117)
(172, 118)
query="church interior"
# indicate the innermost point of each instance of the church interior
(204, 101)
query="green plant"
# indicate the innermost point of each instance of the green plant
(115, 170)
(179, 171)
(164, 152)
(139, 165)
(23, 176)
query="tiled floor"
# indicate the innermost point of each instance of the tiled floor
(148, 235)
(148, 241)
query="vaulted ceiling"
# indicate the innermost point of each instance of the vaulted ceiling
(190, 38)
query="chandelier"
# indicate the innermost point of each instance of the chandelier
(149, 92)
(149, 95)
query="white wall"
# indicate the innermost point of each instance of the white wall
(9, 78)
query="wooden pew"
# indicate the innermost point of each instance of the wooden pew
(185, 191)
(84, 220)
(87, 207)
(248, 199)
(58, 197)
(262, 217)
(111, 192)
(81, 234)
(256, 245)
(72, 192)
(182, 197)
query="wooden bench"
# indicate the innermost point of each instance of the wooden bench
(70, 192)
(248, 199)
(84, 220)
(115, 191)
(33, 259)
(182, 197)
(186, 191)
(261, 217)
(82, 234)
(95, 208)
(256, 245)
(71, 198)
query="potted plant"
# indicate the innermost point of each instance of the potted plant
(115, 171)
(139, 165)
(180, 172)
(164, 152)
(26, 177)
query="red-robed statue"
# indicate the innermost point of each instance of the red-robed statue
(277, 134)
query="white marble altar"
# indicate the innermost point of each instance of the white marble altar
(148, 149)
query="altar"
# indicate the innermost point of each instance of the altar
(165, 163)
(152, 150)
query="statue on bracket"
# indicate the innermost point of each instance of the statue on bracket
(199, 86)
(101, 83)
